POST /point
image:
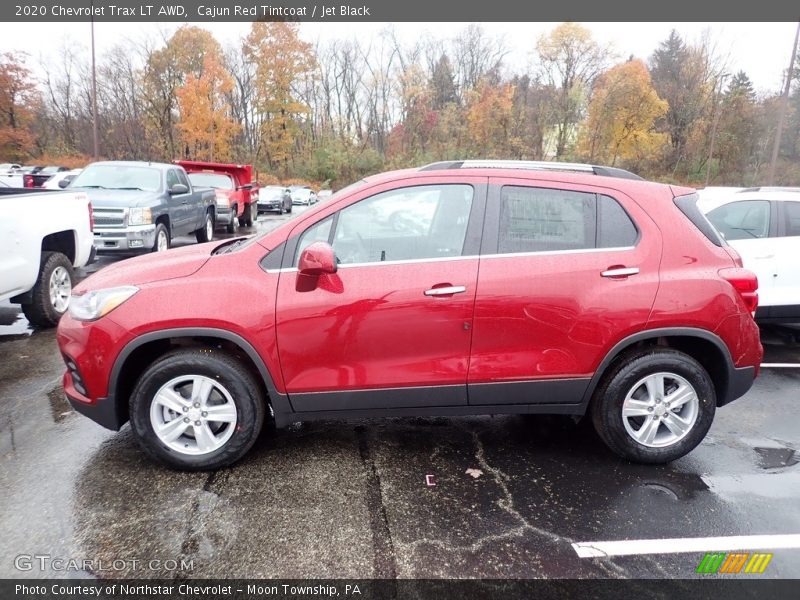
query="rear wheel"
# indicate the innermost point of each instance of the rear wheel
(206, 232)
(196, 410)
(655, 406)
(52, 291)
(249, 215)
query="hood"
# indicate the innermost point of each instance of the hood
(172, 264)
(119, 198)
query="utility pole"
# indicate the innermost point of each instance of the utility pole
(94, 96)
(714, 123)
(773, 163)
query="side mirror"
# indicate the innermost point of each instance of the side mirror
(316, 259)
(64, 182)
(179, 188)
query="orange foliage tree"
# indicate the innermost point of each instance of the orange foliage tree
(623, 111)
(18, 101)
(206, 127)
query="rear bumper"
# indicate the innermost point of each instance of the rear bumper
(739, 383)
(135, 238)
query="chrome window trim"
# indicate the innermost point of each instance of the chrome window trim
(472, 256)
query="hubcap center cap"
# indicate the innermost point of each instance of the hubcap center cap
(660, 410)
(194, 414)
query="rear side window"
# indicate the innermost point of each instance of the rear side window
(791, 215)
(743, 220)
(688, 206)
(542, 219)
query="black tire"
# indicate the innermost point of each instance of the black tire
(247, 218)
(607, 401)
(289, 210)
(206, 232)
(280, 210)
(229, 372)
(234, 223)
(41, 312)
(161, 229)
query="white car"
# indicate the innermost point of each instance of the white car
(303, 196)
(763, 225)
(54, 183)
(37, 256)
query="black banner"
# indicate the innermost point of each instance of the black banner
(391, 11)
(171, 589)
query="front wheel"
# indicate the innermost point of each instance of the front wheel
(233, 226)
(197, 409)
(655, 406)
(162, 238)
(248, 218)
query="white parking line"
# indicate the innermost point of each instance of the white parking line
(675, 545)
(781, 365)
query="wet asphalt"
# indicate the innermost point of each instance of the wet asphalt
(353, 500)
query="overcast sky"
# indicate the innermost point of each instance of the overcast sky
(760, 49)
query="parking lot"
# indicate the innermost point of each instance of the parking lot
(414, 498)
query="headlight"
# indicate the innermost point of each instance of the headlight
(222, 199)
(140, 216)
(97, 303)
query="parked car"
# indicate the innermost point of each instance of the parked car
(275, 198)
(324, 195)
(6, 167)
(39, 175)
(235, 191)
(141, 206)
(61, 179)
(535, 288)
(763, 225)
(302, 195)
(37, 256)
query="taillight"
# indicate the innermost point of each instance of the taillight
(745, 283)
(91, 218)
(27, 181)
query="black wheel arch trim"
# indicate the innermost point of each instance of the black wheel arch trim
(739, 380)
(278, 401)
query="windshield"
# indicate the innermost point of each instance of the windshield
(218, 181)
(271, 191)
(119, 177)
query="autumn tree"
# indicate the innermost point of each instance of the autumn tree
(489, 120)
(206, 126)
(569, 60)
(282, 60)
(166, 69)
(18, 102)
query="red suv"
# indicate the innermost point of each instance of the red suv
(499, 287)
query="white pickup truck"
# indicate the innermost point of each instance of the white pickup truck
(37, 256)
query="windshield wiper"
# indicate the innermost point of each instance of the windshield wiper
(93, 187)
(230, 246)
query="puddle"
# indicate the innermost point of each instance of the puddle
(776, 458)
(13, 324)
(59, 407)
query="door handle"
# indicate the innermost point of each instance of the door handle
(446, 291)
(620, 272)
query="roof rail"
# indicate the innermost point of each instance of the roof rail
(533, 165)
(769, 188)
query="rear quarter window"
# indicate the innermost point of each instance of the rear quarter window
(688, 206)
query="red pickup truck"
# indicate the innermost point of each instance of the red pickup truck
(237, 194)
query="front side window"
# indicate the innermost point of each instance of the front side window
(320, 232)
(413, 223)
(172, 178)
(743, 220)
(550, 220)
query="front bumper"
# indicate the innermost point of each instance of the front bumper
(224, 215)
(134, 238)
(276, 205)
(102, 411)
